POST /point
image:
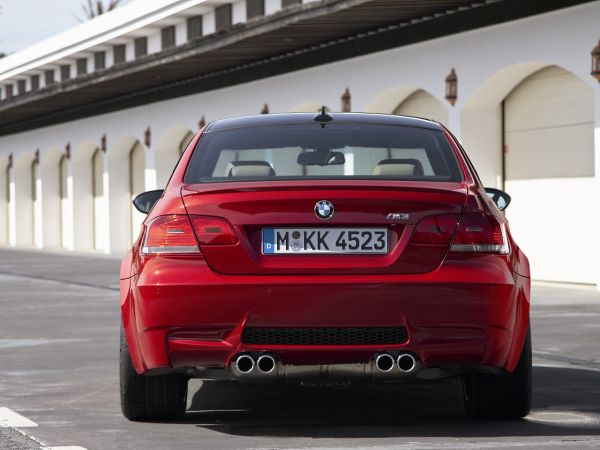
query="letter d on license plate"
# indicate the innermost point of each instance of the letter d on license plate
(324, 240)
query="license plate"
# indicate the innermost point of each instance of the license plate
(324, 240)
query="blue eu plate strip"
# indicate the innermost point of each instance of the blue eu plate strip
(268, 241)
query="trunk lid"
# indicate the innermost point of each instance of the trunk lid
(252, 206)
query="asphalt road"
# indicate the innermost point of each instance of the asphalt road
(59, 328)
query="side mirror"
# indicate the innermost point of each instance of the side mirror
(500, 198)
(146, 200)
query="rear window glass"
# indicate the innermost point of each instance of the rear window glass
(335, 151)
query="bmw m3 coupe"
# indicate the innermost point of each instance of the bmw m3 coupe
(328, 249)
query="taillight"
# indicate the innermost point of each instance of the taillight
(435, 230)
(480, 233)
(170, 235)
(213, 231)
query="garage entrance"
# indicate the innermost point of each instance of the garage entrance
(549, 170)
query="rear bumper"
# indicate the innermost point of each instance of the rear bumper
(179, 313)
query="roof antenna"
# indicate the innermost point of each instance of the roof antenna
(323, 117)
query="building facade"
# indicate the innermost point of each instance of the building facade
(100, 113)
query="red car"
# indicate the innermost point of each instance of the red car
(333, 249)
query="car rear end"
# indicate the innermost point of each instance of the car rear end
(361, 249)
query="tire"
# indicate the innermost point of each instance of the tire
(156, 397)
(503, 396)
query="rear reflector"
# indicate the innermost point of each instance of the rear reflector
(213, 231)
(480, 233)
(170, 235)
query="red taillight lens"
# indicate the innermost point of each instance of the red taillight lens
(435, 230)
(170, 235)
(480, 233)
(213, 231)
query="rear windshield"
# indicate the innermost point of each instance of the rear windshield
(311, 151)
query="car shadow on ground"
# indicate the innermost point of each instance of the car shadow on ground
(566, 403)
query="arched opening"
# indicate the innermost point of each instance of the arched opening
(422, 104)
(100, 212)
(481, 120)
(22, 226)
(49, 197)
(388, 100)
(548, 132)
(83, 198)
(168, 151)
(66, 222)
(126, 161)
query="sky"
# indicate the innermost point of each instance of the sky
(25, 22)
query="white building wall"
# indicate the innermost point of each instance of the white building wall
(490, 62)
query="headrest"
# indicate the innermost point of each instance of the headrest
(256, 169)
(399, 167)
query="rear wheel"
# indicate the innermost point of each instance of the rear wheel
(506, 395)
(149, 397)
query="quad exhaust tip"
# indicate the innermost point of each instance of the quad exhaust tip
(384, 362)
(406, 362)
(244, 364)
(266, 363)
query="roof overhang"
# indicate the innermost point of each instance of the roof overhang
(292, 39)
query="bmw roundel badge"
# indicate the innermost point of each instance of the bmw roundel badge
(324, 209)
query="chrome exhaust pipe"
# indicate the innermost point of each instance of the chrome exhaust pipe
(244, 364)
(384, 362)
(266, 364)
(406, 362)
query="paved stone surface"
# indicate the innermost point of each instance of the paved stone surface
(11, 439)
(59, 324)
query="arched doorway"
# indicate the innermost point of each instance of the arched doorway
(66, 222)
(82, 195)
(422, 104)
(49, 196)
(124, 178)
(549, 172)
(99, 201)
(21, 201)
